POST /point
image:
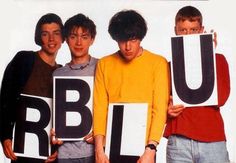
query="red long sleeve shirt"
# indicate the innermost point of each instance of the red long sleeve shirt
(204, 123)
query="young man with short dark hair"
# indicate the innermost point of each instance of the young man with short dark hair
(134, 75)
(80, 32)
(29, 73)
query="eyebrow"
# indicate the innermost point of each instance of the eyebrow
(83, 34)
(57, 30)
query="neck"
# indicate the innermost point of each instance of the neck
(49, 59)
(80, 60)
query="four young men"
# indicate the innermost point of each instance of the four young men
(130, 75)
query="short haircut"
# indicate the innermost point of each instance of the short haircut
(126, 25)
(82, 21)
(46, 19)
(188, 13)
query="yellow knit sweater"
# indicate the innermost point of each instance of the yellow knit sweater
(145, 79)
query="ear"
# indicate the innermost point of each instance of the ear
(92, 40)
(202, 29)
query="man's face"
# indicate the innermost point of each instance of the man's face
(79, 42)
(187, 27)
(130, 49)
(51, 38)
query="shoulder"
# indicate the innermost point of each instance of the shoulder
(220, 56)
(94, 60)
(155, 58)
(108, 62)
(61, 70)
(221, 60)
(25, 54)
(109, 58)
(22, 57)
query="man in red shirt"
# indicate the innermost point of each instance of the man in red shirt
(196, 134)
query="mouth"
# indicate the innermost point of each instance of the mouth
(79, 49)
(52, 45)
(128, 54)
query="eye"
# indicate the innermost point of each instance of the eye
(44, 34)
(72, 36)
(85, 37)
(195, 30)
(183, 30)
(57, 33)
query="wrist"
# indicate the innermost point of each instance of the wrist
(99, 149)
(149, 153)
(99, 143)
(151, 147)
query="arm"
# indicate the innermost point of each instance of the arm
(7, 149)
(160, 100)
(55, 142)
(159, 109)
(14, 78)
(223, 79)
(89, 138)
(8, 99)
(149, 154)
(174, 110)
(100, 104)
(100, 155)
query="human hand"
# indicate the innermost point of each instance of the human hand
(54, 140)
(174, 110)
(214, 36)
(147, 157)
(51, 158)
(89, 138)
(7, 149)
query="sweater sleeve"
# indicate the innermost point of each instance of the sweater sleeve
(8, 97)
(14, 78)
(223, 79)
(160, 100)
(100, 102)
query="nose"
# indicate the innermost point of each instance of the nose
(78, 40)
(189, 32)
(127, 45)
(51, 37)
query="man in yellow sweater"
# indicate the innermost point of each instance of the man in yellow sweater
(131, 75)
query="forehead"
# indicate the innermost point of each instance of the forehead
(50, 27)
(80, 30)
(187, 23)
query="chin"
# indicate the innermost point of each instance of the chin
(128, 59)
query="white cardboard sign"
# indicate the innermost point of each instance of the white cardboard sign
(32, 129)
(126, 131)
(73, 98)
(193, 68)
